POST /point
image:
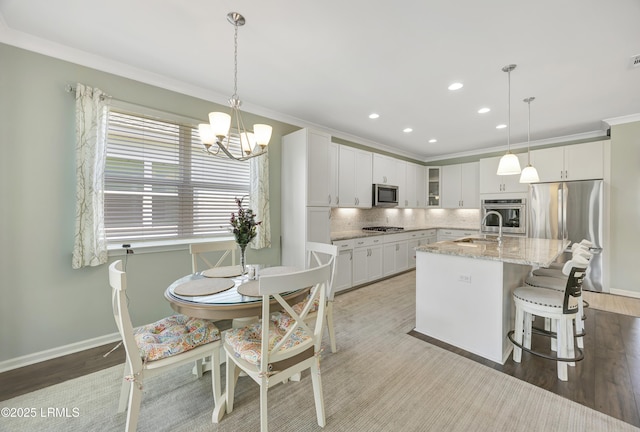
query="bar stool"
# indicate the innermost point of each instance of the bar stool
(557, 280)
(561, 307)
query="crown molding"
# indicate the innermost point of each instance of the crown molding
(614, 121)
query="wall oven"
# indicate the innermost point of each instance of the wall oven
(514, 216)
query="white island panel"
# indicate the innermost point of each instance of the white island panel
(466, 302)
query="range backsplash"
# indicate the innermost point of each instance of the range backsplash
(349, 219)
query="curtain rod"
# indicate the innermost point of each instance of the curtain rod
(71, 89)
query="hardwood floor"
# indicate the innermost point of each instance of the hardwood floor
(607, 380)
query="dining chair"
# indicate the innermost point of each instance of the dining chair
(282, 344)
(198, 251)
(318, 254)
(155, 348)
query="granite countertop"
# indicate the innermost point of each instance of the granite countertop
(516, 250)
(346, 235)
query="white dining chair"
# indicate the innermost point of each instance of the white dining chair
(155, 348)
(318, 254)
(282, 344)
(199, 251)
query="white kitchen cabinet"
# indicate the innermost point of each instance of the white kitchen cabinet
(343, 277)
(460, 186)
(384, 170)
(367, 259)
(418, 238)
(490, 182)
(573, 162)
(401, 182)
(433, 186)
(395, 256)
(415, 186)
(307, 165)
(354, 177)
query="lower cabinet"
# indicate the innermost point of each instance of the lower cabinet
(367, 260)
(419, 238)
(343, 278)
(395, 256)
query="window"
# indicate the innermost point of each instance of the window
(161, 185)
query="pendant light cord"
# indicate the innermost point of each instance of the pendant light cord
(509, 112)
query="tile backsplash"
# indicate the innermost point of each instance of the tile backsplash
(349, 219)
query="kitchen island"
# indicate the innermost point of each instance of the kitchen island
(464, 289)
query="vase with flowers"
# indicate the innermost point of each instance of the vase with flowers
(244, 229)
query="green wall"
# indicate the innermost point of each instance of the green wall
(625, 207)
(45, 304)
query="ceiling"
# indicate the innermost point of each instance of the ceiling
(331, 63)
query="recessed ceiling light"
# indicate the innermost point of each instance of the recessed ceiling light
(407, 130)
(501, 126)
(456, 86)
(484, 110)
(433, 140)
(374, 115)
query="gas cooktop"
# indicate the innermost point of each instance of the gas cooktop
(382, 228)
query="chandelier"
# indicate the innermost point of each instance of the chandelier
(215, 135)
(509, 163)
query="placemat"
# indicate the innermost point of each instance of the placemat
(223, 272)
(202, 287)
(249, 289)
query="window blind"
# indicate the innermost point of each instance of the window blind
(161, 185)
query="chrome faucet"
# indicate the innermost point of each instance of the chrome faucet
(499, 223)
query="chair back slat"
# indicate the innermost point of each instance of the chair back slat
(197, 250)
(317, 280)
(321, 253)
(573, 290)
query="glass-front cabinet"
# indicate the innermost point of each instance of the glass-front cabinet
(433, 186)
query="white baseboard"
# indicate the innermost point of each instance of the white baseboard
(38, 357)
(633, 294)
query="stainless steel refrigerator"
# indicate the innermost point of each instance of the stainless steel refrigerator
(571, 210)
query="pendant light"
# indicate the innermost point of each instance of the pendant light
(529, 174)
(509, 163)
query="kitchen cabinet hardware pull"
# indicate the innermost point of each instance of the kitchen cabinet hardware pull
(329, 198)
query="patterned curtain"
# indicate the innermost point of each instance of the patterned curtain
(90, 243)
(259, 193)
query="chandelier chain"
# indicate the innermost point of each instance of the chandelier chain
(235, 63)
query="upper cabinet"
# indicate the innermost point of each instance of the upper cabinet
(414, 186)
(572, 162)
(433, 186)
(400, 180)
(490, 182)
(311, 171)
(460, 186)
(385, 170)
(354, 177)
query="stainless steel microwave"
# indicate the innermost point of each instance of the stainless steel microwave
(514, 216)
(384, 196)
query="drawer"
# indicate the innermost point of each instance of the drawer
(344, 244)
(396, 237)
(367, 241)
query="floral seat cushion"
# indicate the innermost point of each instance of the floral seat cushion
(246, 341)
(174, 335)
(300, 305)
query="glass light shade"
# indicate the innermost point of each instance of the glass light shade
(262, 133)
(206, 134)
(509, 165)
(529, 175)
(220, 123)
(248, 141)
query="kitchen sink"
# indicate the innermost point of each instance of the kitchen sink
(477, 240)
